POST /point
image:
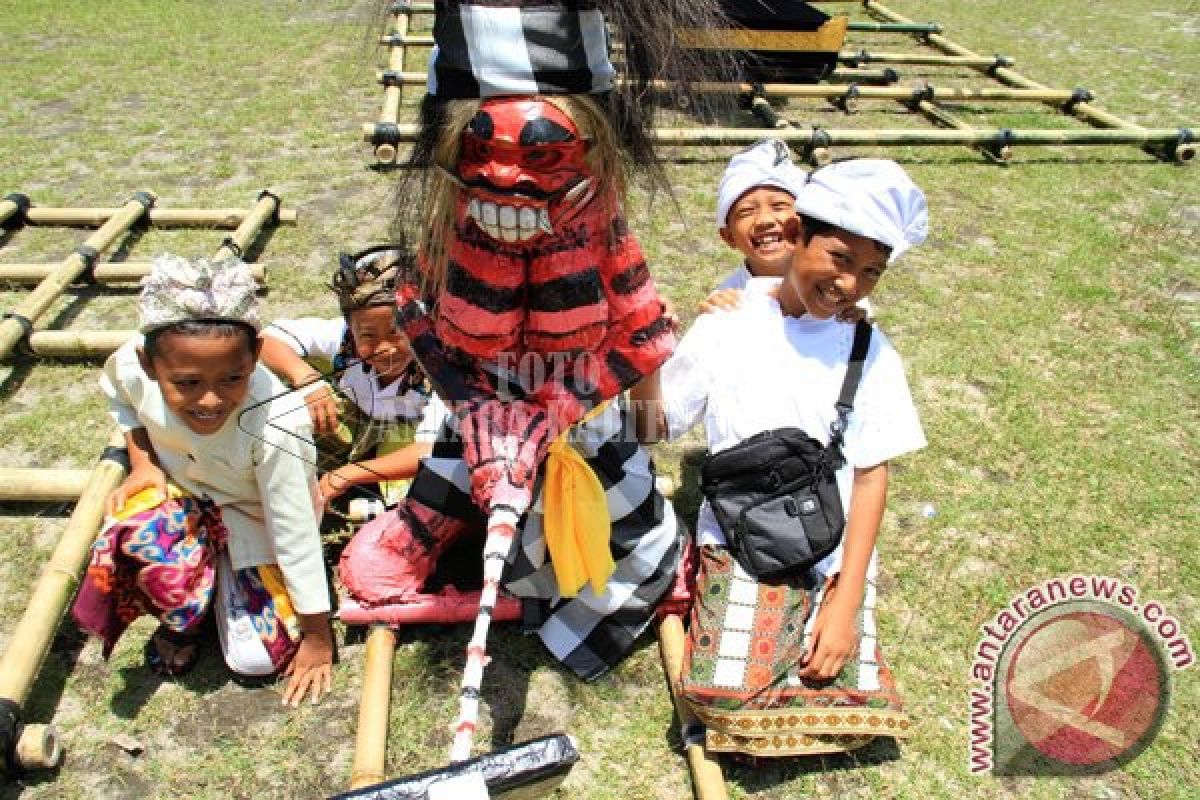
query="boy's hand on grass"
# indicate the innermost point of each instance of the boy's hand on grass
(311, 670)
(721, 300)
(832, 642)
(142, 476)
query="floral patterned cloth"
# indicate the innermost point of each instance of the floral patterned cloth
(159, 558)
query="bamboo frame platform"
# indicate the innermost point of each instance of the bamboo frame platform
(1177, 145)
(19, 328)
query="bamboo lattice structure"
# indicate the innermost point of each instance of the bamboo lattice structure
(33, 746)
(20, 327)
(1176, 145)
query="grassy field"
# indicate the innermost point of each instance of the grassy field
(1049, 329)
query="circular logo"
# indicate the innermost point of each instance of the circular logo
(1084, 690)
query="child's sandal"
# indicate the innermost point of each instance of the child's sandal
(180, 644)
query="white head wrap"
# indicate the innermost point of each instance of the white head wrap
(177, 290)
(766, 163)
(871, 197)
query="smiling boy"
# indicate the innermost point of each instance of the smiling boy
(777, 362)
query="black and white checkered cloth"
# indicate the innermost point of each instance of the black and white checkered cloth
(588, 633)
(489, 48)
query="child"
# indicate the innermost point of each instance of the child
(375, 370)
(217, 512)
(779, 655)
(755, 200)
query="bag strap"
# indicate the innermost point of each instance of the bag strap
(854, 370)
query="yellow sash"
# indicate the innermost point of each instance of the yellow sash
(576, 521)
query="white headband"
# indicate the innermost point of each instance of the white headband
(872, 197)
(766, 163)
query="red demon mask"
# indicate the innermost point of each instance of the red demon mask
(519, 160)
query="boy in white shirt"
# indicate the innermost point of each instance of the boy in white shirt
(391, 405)
(217, 512)
(758, 647)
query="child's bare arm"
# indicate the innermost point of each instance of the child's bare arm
(144, 471)
(834, 637)
(721, 300)
(400, 465)
(650, 421)
(298, 373)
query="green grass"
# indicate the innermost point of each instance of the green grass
(1049, 329)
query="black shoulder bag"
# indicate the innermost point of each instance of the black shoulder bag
(775, 493)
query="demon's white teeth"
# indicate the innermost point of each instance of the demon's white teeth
(508, 217)
(490, 215)
(527, 217)
(509, 223)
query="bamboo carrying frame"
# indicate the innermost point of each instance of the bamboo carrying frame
(1176, 145)
(26, 746)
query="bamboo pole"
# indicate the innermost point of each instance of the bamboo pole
(1000, 155)
(857, 75)
(923, 59)
(220, 218)
(26, 485)
(78, 344)
(393, 94)
(35, 630)
(861, 27)
(708, 782)
(833, 90)
(13, 205)
(895, 27)
(113, 272)
(1178, 149)
(263, 211)
(17, 325)
(865, 137)
(685, 137)
(370, 744)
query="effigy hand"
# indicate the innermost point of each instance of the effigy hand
(504, 444)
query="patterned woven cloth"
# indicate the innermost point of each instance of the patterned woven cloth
(177, 290)
(491, 48)
(159, 558)
(743, 651)
(589, 633)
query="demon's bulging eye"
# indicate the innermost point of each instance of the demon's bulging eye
(543, 157)
(475, 149)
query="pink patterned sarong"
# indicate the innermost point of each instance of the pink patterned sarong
(160, 559)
